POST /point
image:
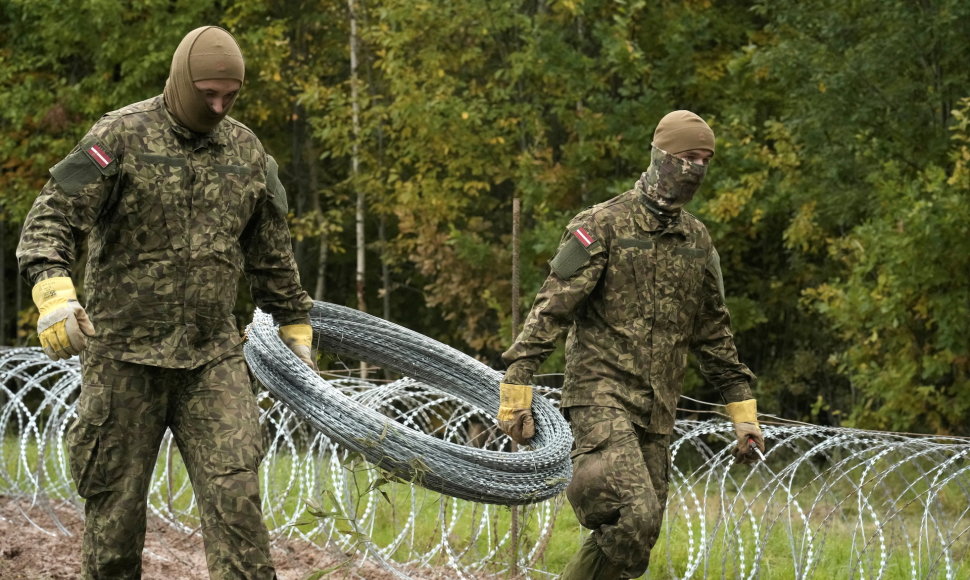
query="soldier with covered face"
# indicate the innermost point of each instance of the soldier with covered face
(174, 200)
(635, 285)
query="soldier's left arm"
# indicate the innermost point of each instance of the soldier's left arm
(713, 340)
(270, 264)
(713, 344)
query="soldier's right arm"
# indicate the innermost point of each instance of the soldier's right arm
(575, 272)
(67, 207)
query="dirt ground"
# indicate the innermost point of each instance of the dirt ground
(34, 552)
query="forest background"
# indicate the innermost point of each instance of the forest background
(433, 152)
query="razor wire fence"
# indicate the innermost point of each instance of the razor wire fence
(826, 502)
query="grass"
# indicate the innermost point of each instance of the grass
(375, 510)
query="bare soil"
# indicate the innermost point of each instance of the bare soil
(40, 551)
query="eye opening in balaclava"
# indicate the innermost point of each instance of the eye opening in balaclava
(205, 53)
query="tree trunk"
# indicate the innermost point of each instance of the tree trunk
(355, 168)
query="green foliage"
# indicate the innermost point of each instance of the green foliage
(900, 308)
(835, 127)
(836, 199)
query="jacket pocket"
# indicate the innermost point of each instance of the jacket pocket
(155, 205)
(688, 266)
(628, 281)
(229, 198)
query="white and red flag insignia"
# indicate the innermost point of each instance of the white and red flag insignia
(98, 155)
(583, 236)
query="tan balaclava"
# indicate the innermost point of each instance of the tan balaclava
(205, 53)
(670, 182)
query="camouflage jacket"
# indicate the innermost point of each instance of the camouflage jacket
(171, 220)
(634, 297)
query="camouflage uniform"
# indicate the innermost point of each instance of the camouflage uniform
(171, 219)
(634, 294)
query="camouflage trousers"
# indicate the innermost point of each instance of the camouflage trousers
(123, 412)
(618, 490)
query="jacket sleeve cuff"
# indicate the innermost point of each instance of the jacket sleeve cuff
(55, 272)
(736, 393)
(518, 375)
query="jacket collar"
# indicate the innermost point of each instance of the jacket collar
(218, 136)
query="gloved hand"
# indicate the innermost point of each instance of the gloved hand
(63, 325)
(299, 339)
(744, 414)
(515, 412)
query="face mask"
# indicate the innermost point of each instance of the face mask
(671, 182)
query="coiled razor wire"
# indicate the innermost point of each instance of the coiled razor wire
(827, 502)
(457, 470)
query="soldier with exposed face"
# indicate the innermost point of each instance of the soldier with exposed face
(635, 286)
(174, 200)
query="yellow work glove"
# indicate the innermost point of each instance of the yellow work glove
(299, 339)
(515, 412)
(63, 326)
(744, 415)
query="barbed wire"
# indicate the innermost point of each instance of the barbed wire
(825, 502)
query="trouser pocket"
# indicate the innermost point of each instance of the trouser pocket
(592, 491)
(85, 440)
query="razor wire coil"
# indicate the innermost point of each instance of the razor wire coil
(461, 471)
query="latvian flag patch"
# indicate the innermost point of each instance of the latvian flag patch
(98, 155)
(583, 236)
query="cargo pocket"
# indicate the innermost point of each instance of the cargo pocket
(85, 440)
(592, 490)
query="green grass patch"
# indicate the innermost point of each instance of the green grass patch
(830, 534)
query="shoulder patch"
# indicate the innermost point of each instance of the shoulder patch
(714, 267)
(574, 253)
(276, 191)
(85, 165)
(99, 155)
(583, 236)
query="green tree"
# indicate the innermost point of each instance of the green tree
(903, 307)
(836, 107)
